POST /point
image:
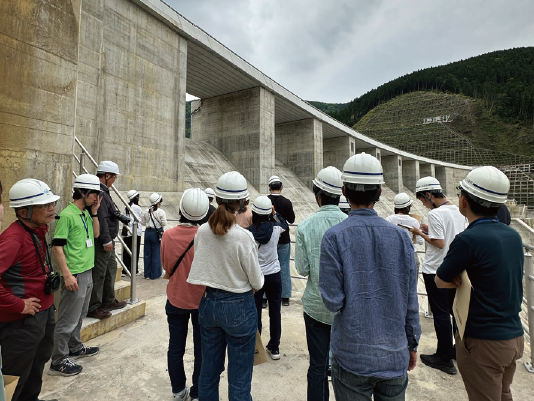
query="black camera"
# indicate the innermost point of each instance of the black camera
(53, 280)
(121, 217)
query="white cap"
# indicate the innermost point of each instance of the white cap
(210, 192)
(488, 184)
(87, 181)
(30, 192)
(262, 205)
(343, 204)
(194, 204)
(363, 169)
(132, 193)
(231, 186)
(427, 184)
(108, 167)
(274, 179)
(329, 180)
(402, 200)
(154, 199)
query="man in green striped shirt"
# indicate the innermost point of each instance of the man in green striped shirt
(318, 319)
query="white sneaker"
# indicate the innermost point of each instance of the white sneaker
(182, 395)
(275, 353)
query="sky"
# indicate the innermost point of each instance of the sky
(334, 51)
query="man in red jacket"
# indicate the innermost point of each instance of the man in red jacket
(26, 314)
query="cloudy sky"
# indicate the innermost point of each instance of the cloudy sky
(334, 51)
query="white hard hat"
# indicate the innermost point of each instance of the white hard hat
(210, 192)
(155, 198)
(329, 180)
(231, 186)
(108, 167)
(402, 200)
(194, 204)
(274, 179)
(427, 184)
(132, 193)
(363, 169)
(30, 192)
(488, 184)
(87, 181)
(262, 205)
(343, 204)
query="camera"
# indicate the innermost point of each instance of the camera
(121, 217)
(52, 283)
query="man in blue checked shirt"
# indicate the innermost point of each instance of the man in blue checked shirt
(368, 275)
(318, 319)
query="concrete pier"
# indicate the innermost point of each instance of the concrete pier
(371, 151)
(336, 151)
(241, 126)
(410, 173)
(392, 166)
(299, 146)
(427, 170)
(449, 179)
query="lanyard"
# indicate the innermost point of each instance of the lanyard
(444, 203)
(36, 243)
(484, 221)
(84, 225)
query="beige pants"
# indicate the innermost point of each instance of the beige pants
(488, 366)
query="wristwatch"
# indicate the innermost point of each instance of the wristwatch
(93, 215)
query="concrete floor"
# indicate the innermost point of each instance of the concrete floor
(132, 364)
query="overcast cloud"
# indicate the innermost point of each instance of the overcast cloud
(333, 51)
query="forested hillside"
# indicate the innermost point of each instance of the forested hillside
(503, 81)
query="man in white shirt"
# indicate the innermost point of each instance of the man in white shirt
(444, 222)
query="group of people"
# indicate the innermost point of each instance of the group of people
(361, 310)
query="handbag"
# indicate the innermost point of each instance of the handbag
(159, 230)
(179, 260)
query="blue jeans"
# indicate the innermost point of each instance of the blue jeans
(152, 254)
(284, 253)
(227, 320)
(318, 339)
(272, 288)
(178, 320)
(351, 387)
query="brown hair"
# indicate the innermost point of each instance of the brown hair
(223, 218)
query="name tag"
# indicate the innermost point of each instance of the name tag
(89, 242)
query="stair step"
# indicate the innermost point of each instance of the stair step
(92, 327)
(122, 290)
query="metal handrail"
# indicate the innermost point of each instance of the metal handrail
(132, 252)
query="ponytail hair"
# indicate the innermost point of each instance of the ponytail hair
(223, 218)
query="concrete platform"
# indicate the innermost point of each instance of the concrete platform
(92, 327)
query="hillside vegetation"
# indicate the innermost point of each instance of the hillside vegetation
(501, 82)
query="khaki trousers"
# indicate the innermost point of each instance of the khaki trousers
(488, 366)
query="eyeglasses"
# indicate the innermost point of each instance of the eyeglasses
(47, 205)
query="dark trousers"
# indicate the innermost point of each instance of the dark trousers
(318, 338)
(26, 347)
(441, 300)
(104, 274)
(152, 254)
(126, 258)
(272, 288)
(178, 320)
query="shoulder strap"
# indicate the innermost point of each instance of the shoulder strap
(152, 217)
(181, 258)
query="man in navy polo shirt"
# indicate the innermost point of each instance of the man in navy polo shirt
(492, 255)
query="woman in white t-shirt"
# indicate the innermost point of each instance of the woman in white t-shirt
(266, 227)
(154, 219)
(403, 203)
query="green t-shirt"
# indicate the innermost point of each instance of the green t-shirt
(71, 227)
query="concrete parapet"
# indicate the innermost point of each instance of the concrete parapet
(410, 173)
(241, 126)
(299, 146)
(427, 170)
(336, 151)
(92, 327)
(392, 166)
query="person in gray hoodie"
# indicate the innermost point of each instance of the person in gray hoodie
(267, 225)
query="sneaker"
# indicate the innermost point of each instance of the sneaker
(84, 352)
(264, 303)
(275, 353)
(182, 395)
(65, 367)
(437, 362)
(115, 305)
(285, 301)
(99, 314)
